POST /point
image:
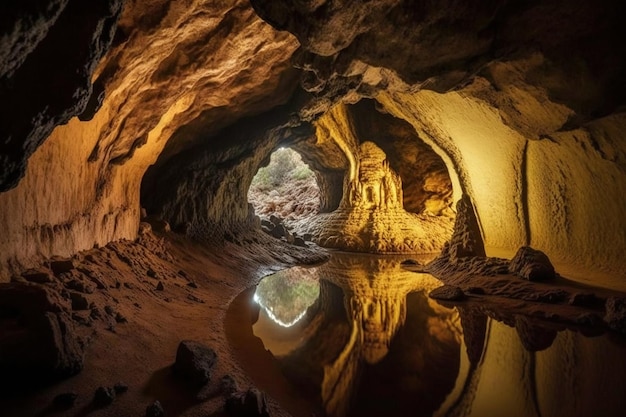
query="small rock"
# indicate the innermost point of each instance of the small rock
(192, 284)
(65, 400)
(80, 286)
(251, 403)
(298, 241)
(182, 273)
(143, 213)
(103, 396)
(129, 285)
(79, 301)
(228, 385)
(95, 314)
(275, 220)
(80, 319)
(160, 286)
(38, 276)
(144, 228)
(447, 293)
(120, 388)
(410, 262)
(155, 410)
(194, 362)
(307, 237)
(61, 266)
(532, 265)
(194, 298)
(119, 318)
(152, 273)
(109, 310)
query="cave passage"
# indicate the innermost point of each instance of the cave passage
(362, 347)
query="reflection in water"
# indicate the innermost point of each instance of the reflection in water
(354, 333)
(374, 344)
(285, 296)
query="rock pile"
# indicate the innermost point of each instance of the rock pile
(275, 227)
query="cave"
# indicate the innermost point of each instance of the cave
(471, 165)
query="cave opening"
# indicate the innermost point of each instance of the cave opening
(284, 195)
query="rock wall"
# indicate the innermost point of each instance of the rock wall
(169, 66)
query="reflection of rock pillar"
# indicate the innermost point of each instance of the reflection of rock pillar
(377, 319)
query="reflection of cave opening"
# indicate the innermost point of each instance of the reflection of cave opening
(285, 297)
(284, 192)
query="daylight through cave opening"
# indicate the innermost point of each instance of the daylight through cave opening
(284, 194)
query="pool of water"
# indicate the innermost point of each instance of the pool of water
(358, 336)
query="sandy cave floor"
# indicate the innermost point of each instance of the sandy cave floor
(141, 351)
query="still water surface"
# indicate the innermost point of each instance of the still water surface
(358, 336)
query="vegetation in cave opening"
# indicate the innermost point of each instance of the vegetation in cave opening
(286, 188)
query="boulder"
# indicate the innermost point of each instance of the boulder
(194, 362)
(532, 265)
(250, 403)
(37, 337)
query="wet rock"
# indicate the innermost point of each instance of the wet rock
(447, 293)
(120, 388)
(61, 266)
(160, 286)
(615, 314)
(38, 276)
(79, 301)
(532, 265)
(194, 362)
(250, 403)
(583, 300)
(47, 347)
(155, 410)
(103, 396)
(65, 400)
(228, 385)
